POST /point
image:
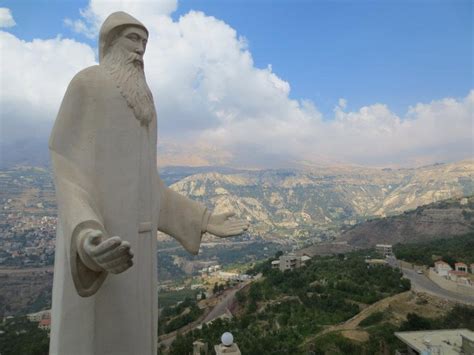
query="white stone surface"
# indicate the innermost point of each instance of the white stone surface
(111, 203)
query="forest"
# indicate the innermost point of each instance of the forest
(451, 250)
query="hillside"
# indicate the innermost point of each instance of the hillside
(280, 203)
(303, 203)
(333, 305)
(445, 219)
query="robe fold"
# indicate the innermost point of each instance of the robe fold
(104, 164)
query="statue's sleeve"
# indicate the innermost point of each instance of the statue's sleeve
(72, 145)
(182, 218)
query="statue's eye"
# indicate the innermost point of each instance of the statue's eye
(133, 37)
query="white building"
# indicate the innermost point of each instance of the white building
(228, 275)
(455, 341)
(38, 316)
(199, 348)
(384, 249)
(460, 267)
(305, 259)
(289, 262)
(442, 268)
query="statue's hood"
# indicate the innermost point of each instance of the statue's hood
(116, 19)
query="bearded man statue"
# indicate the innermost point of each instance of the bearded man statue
(111, 203)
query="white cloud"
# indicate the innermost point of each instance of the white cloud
(6, 18)
(96, 12)
(210, 93)
(342, 103)
(34, 78)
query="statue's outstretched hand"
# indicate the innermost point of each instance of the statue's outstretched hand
(222, 225)
(112, 255)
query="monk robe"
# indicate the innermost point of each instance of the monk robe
(104, 163)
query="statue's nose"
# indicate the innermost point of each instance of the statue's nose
(140, 51)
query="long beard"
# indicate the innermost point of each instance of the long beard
(126, 69)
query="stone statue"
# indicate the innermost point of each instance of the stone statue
(111, 203)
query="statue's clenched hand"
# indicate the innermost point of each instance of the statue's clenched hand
(222, 225)
(112, 255)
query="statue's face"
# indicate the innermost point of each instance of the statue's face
(133, 39)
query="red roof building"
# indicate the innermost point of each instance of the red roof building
(45, 324)
(460, 267)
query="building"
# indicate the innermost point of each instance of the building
(38, 316)
(442, 268)
(275, 264)
(45, 324)
(460, 267)
(289, 262)
(384, 249)
(437, 342)
(223, 275)
(375, 262)
(200, 348)
(472, 268)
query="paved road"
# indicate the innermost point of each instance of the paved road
(424, 284)
(420, 282)
(225, 303)
(217, 311)
(26, 270)
(210, 244)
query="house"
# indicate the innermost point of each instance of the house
(45, 324)
(442, 268)
(38, 316)
(453, 341)
(199, 348)
(384, 249)
(305, 259)
(289, 262)
(275, 264)
(460, 267)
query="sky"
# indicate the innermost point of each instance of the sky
(263, 83)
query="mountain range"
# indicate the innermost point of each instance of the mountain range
(298, 203)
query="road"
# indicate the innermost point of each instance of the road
(218, 310)
(211, 244)
(29, 270)
(225, 303)
(419, 282)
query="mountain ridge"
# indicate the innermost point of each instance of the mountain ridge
(296, 203)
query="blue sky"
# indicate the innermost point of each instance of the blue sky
(330, 79)
(395, 52)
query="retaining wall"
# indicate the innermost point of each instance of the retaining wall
(450, 285)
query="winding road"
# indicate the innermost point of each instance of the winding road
(419, 282)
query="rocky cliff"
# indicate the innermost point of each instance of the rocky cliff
(297, 203)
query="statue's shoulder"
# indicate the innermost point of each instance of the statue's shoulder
(88, 77)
